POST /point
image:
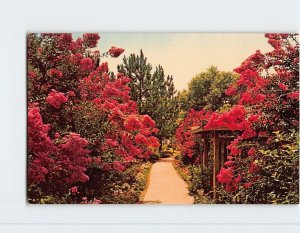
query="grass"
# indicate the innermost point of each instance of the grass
(144, 179)
(183, 171)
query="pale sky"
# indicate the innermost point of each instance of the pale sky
(183, 55)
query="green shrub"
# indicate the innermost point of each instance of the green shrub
(166, 154)
(200, 179)
(154, 157)
(278, 181)
(178, 157)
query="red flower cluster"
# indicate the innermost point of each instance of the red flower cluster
(235, 119)
(226, 176)
(87, 64)
(253, 62)
(103, 67)
(91, 39)
(117, 165)
(234, 147)
(32, 74)
(56, 73)
(40, 146)
(115, 52)
(252, 151)
(56, 99)
(64, 40)
(276, 39)
(283, 87)
(75, 58)
(74, 189)
(184, 136)
(141, 139)
(73, 158)
(132, 124)
(294, 95)
(76, 46)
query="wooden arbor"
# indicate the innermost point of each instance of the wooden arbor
(216, 141)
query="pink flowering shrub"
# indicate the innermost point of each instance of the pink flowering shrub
(40, 147)
(84, 131)
(271, 121)
(263, 164)
(185, 139)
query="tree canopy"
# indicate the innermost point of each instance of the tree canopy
(153, 91)
(207, 89)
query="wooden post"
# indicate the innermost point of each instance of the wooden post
(222, 152)
(215, 162)
(205, 150)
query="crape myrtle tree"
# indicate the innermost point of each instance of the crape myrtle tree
(84, 132)
(153, 91)
(263, 164)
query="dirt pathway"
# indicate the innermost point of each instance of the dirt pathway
(166, 186)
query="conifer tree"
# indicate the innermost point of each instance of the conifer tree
(153, 91)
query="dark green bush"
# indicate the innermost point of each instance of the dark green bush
(154, 157)
(200, 179)
(166, 154)
(178, 157)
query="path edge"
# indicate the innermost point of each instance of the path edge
(143, 193)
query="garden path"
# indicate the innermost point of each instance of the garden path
(165, 186)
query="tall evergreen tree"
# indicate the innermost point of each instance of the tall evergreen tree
(153, 91)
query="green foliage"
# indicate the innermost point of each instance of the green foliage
(184, 100)
(182, 170)
(166, 154)
(178, 157)
(279, 182)
(90, 121)
(118, 187)
(207, 90)
(111, 187)
(200, 178)
(153, 91)
(154, 157)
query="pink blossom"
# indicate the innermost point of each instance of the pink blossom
(56, 99)
(55, 73)
(32, 74)
(87, 64)
(74, 190)
(229, 163)
(252, 151)
(283, 86)
(91, 39)
(117, 165)
(115, 52)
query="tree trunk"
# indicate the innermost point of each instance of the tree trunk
(161, 144)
